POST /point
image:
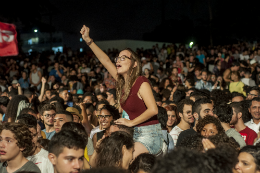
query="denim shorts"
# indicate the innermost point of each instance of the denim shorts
(151, 137)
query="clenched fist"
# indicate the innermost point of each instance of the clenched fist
(85, 33)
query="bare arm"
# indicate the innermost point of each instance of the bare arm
(103, 58)
(42, 89)
(146, 94)
(226, 75)
(20, 92)
(85, 121)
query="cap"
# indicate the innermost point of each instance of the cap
(143, 58)
(74, 111)
(80, 91)
(14, 81)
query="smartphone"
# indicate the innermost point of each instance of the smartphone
(69, 91)
(70, 104)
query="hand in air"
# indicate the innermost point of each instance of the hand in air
(85, 33)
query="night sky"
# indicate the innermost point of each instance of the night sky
(118, 19)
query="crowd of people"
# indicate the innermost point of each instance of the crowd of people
(159, 110)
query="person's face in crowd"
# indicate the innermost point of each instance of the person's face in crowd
(246, 163)
(59, 120)
(73, 72)
(235, 68)
(124, 66)
(171, 118)
(109, 96)
(254, 109)
(76, 118)
(237, 99)
(167, 82)
(63, 78)
(127, 156)
(187, 114)
(159, 71)
(87, 99)
(33, 67)
(206, 109)
(35, 136)
(102, 88)
(89, 114)
(198, 52)
(69, 161)
(188, 93)
(48, 94)
(219, 54)
(24, 75)
(234, 77)
(213, 78)
(83, 78)
(8, 146)
(209, 130)
(100, 97)
(197, 73)
(105, 118)
(159, 103)
(252, 94)
(48, 117)
(235, 117)
(204, 76)
(56, 65)
(175, 72)
(64, 95)
(146, 71)
(212, 51)
(191, 58)
(156, 89)
(14, 86)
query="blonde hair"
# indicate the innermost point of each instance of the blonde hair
(123, 87)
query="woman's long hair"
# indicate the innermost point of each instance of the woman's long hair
(12, 107)
(109, 152)
(123, 87)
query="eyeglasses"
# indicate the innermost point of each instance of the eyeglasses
(122, 58)
(253, 95)
(104, 116)
(49, 115)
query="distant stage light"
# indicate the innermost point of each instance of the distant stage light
(191, 43)
(35, 30)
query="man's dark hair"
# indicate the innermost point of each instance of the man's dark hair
(4, 101)
(255, 88)
(93, 98)
(257, 99)
(62, 89)
(113, 111)
(183, 102)
(129, 130)
(235, 63)
(28, 93)
(68, 139)
(191, 81)
(178, 96)
(144, 162)
(196, 107)
(76, 127)
(241, 107)
(29, 120)
(47, 107)
(12, 93)
(104, 95)
(69, 116)
(224, 112)
(205, 71)
(236, 94)
(58, 99)
(27, 111)
(102, 102)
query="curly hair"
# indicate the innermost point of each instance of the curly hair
(224, 112)
(208, 120)
(22, 134)
(109, 152)
(47, 107)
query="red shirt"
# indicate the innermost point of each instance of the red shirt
(249, 135)
(134, 106)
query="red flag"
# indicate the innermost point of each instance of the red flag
(8, 40)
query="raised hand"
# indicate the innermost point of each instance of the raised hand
(43, 80)
(85, 33)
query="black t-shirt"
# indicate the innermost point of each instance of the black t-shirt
(184, 134)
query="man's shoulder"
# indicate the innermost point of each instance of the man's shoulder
(30, 166)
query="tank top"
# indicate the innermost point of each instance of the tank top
(35, 77)
(134, 106)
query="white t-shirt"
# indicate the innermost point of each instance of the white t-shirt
(244, 57)
(252, 125)
(248, 82)
(42, 161)
(94, 131)
(175, 132)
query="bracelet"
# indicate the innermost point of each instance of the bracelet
(89, 43)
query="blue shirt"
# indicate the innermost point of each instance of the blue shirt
(3, 118)
(49, 135)
(24, 84)
(201, 57)
(201, 85)
(54, 73)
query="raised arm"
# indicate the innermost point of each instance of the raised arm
(103, 58)
(42, 89)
